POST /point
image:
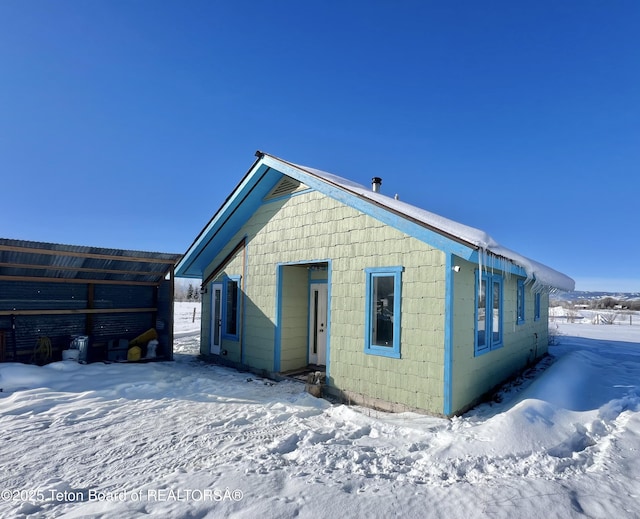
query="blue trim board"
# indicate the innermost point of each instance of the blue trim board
(245, 264)
(225, 295)
(328, 354)
(250, 193)
(370, 208)
(212, 313)
(229, 219)
(308, 313)
(520, 303)
(498, 280)
(490, 343)
(477, 349)
(212, 316)
(277, 339)
(374, 349)
(448, 336)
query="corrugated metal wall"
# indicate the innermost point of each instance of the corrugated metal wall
(120, 326)
(25, 295)
(28, 328)
(21, 295)
(124, 296)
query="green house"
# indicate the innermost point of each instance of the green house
(401, 308)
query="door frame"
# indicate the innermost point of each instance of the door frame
(318, 322)
(215, 342)
(327, 263)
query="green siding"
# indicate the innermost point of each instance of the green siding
(312, 227)
(473, 376)
(295, 310)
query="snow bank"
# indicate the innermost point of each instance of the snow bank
(186, 439)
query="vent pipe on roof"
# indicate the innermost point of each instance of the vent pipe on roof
(376, 182)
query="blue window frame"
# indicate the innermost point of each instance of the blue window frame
(520, 317)
(382, 318)
(231, 307)
(488, 334)
(536, 315)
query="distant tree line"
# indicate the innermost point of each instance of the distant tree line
(187, 292)
(610, 303)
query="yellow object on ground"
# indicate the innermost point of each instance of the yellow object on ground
(144, 338)
(134, 354)
(42, 351)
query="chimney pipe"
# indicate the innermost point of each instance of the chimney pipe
(376, 182)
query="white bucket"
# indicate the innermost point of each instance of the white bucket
(151, 349)
(70, 355)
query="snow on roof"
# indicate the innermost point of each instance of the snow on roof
(540, 275)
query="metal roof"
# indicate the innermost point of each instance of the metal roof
(38, 261)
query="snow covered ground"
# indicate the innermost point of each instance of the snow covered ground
(613, 317)
(186, 319)
(186, 439)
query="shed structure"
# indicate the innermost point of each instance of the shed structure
(61, 291)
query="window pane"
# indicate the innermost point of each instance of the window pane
(232, 308)
(496, 312)
(482, 306)
(382, 311)
(520, 302)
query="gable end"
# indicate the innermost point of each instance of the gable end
(287, 186)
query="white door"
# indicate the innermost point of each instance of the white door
(318, 324)
(216, 318)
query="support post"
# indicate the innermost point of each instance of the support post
(88, 326)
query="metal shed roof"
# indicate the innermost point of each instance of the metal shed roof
(38, 261)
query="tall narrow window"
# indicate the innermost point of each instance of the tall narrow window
(382, 319)
(496, 317)
(231, 306)
(488, 313)
(520, 302)
(481, 316)
(536, 315)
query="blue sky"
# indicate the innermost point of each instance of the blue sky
(126, 124)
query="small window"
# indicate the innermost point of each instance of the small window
(520, 302)
(537, 307)
(382, 320)
(488, 313)
(231, 305)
